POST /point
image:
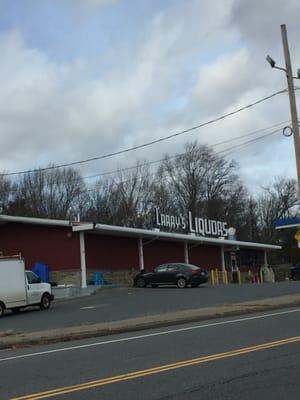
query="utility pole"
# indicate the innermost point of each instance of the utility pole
(292, 97)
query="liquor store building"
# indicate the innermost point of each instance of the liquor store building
(73, 251)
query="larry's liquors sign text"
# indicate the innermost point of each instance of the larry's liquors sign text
(201, 226)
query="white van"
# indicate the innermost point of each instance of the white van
(20, 288)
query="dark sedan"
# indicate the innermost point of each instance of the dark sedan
(295, 272)
(172, 274)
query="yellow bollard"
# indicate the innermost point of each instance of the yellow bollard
(217, 276)
(239, 277)
(250, 279)
(225, 277)
(261, 276)
(272, 276)
(212, 277)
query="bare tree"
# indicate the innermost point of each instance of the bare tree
(200, 181)
(277, 201)
(250, 229)
(7, 191)
(124, 200)
(50, 194)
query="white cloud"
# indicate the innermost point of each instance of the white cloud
(176, 73)
(98, 3)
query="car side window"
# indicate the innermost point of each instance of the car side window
(180, 267)
(161, 268)
(172, 268)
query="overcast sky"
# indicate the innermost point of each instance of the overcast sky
(81, 78)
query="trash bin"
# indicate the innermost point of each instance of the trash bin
(99, 278)
(267, 274)
(263, 273)
(41, 270)
(235, 277)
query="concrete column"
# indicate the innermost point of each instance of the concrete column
(186, 253)
(141, 254)
(82, 260)
(222, 259)
(265, 258)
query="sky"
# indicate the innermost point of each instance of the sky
(83, 78)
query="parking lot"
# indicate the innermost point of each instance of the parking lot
(123, 303)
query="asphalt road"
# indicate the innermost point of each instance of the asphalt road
(250, 357)
(123, 303)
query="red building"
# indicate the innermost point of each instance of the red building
(73, 251)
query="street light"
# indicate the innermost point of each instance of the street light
(272, 62)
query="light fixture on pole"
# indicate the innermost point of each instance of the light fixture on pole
(270, 61)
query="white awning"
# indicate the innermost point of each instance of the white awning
(149, 234)
(136, 232)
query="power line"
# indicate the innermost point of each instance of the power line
(229, 150)
(233, 148)
(101, 157)
(178, 155)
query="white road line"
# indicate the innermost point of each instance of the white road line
(127, 339)
(93, 307)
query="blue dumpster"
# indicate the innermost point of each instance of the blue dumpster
(41, 270)
(99, 278)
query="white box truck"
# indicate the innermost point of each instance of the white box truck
(20, 288)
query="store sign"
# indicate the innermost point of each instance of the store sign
(200, 226)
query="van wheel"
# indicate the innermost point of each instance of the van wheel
(2, 308)
(45, 302)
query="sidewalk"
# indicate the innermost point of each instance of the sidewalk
(72, 291)
(9, 339)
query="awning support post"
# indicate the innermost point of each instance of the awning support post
(186, 253)
(82, 260)
(223, 260)
(265, 258)
(141, 254)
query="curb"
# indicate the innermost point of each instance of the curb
(10, 339)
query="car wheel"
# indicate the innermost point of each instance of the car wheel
(141, 283)
(181, 283)
(45, 302)
(2, 308)
(154, 285)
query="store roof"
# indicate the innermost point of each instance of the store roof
(136, 232)
(35, 221)
(155, 234)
